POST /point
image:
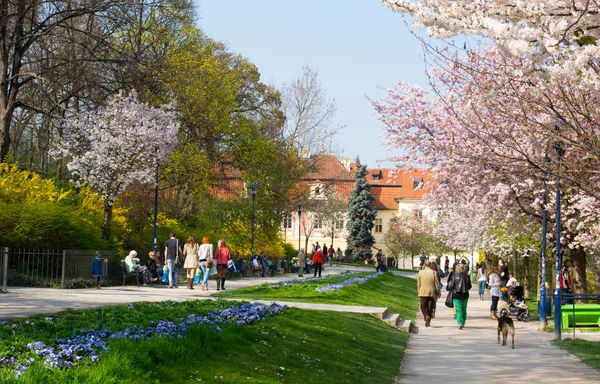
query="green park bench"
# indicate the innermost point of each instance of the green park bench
(579, 314)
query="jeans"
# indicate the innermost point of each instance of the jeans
(494, 306)
(205, 273)
(173, 277)
(565, 301)
(481, 284)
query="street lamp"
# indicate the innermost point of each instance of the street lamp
(253, 189)
(299, 215)
(558, 148)
(155, 204)
(544, 230)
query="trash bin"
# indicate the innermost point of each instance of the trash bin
(98, 268)
(547, 307)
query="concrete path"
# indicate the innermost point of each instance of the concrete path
(444, 354)
(25, 302)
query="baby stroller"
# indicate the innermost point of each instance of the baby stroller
(515, 305)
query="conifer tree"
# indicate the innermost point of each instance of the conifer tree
(361, 216)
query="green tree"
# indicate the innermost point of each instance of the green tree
(360, 217)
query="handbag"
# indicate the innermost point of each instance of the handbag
(209, 264)
(450, 300)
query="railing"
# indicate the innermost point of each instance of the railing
(45, 267)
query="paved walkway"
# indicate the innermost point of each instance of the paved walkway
(444, 354)
(25, 302)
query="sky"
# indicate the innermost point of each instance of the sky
(358, 48)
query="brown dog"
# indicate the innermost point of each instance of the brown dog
(506, 326)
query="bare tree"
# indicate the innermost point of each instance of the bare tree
(309, 113)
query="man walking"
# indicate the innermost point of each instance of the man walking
(428, 289)
(171, 250)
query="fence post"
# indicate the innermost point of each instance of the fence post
(64, 269)
(4, 268)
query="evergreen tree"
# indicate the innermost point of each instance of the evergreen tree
(361, 216)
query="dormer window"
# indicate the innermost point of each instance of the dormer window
(376, 176)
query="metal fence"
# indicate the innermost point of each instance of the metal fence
(44, 267)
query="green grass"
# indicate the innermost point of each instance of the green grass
(398, 293)
(299, 346)
(587, 351)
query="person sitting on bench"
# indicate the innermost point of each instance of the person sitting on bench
(132, 264)
(256, 265)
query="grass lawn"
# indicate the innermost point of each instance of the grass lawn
(398, 293)
(298, 346)
(587, 351)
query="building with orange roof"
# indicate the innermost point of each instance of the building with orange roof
(392, 189)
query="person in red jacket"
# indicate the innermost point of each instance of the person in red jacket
(318, 260)
(222, 256)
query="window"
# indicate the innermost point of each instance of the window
(317, 191)
(378, 227)
(287, 222)
(376, 176)
(318, 223)
(339, 224)
(419, 214)
(417, 183)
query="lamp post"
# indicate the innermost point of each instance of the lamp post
(558, 148)
(543, 319)
(253, 189)
(299, 215)
(155, 204)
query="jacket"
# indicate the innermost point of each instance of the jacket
(427, 283)
(318, 257)
(460, 285)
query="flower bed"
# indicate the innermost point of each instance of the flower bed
(337, 286)
(300, 281)
(89, 343)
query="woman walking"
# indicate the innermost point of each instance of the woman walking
(460, 285)
(205, 256)
(222, 256)
(301, 262)
(481, 279)
(495, 284)
(190, 251)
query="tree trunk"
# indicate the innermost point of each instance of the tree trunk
(526, 275)
(107, 219)
(488, 259)
(578, 270)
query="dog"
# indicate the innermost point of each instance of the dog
(506, 327)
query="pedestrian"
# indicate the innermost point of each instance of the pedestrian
(565, 281)
(446, 266)
(301, 262)
(378, 260)
(205, 257)
(325, 252)
(435, 268)
(330, 254)
(495, 283)
(422, 260)
(460, 286)
(222, 256)
(482, 279)
(339, 255)
(318, 259)
(172, 249)
(428, 290)
(504, 273)
(190, 251)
